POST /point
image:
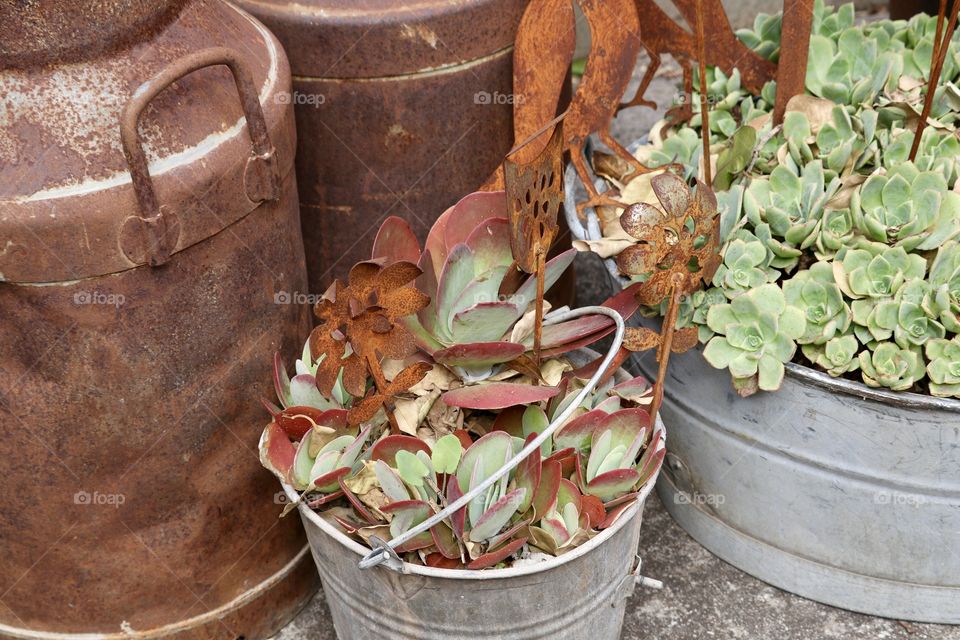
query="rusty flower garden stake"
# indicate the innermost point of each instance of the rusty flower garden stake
(359, 325)
(534, 194)
(940, 47)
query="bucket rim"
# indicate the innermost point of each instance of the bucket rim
(486, 574)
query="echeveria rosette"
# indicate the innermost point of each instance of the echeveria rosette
(815, 292)
(904, 317)
(834, 232)
(743, 267)
(907, 208)
(877, 271)
(790, 204)
(939, 151)
(465, 262)
(945, 282)
(836, 356)
(757, 334)
(890, 366)
(943, 367)
(849, 69)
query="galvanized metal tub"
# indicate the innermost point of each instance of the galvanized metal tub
(827, 488)
(581, 594)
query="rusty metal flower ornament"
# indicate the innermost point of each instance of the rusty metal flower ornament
(360, 323)
(682, 237)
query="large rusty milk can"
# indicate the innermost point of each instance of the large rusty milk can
(402, 108)
(149, 230)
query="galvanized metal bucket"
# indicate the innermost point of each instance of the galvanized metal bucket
(581, 594)
(827, 488)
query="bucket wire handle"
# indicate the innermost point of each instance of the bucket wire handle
(157, 231)
(385, 551)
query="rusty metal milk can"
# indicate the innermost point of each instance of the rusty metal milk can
(402, 108)
(148, 229)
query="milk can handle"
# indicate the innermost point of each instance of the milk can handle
(261, 177)
(385, 551)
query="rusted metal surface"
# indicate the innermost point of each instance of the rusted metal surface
(940, 47)
(359, 324)
(794, 49)
(132, 502)
(401, 109)
(661, 35)
(704, 98)
(39, 32)
(534, 193)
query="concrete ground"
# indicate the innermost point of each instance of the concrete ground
(703, 597)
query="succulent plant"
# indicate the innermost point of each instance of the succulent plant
(907, 208)
(744, 267)
(877, 271)
(943, 368)
(945, 281)
(469, 273)
(834, 232)
(888, 365)
(851, 69)
(836, 356)
(301, 390)
(939, 152)
(757, 334)
(815, 292)
(904, 317)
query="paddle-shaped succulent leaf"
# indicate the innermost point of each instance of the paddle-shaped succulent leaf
(301, 390)
(888, 365)
(477, 294)
(815, 292)
(757, 334)
(943, 368)
(907, 208)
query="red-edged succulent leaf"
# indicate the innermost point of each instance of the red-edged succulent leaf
(637, 390)
(510, 420)
(545, 497)
(358, 506)
(459, 517)
(464, 437)
(492, 450)
(490, 242)
(649, 466)
(484, 321)
(554, 525)
(554, 268)
(578, 432)
(616, 502)
(304, 392)
(496, 516)
(419, 541)
(564, 333)
(568, 460)
(271, 408)
(568, 493)
(478, 354)
(349, 525)
(445, 540)
(493, 558)
(302, 463)
(396, 242)
(497, 395)
(592, 507)
(623, 425)
(503, 537)
(386, 448)
(322, 500)
(438, 561)
(328, 481)
(277, 453)
(469, 213)
(611, 484)
(528, 475)
(281, 381)
(613, 514)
